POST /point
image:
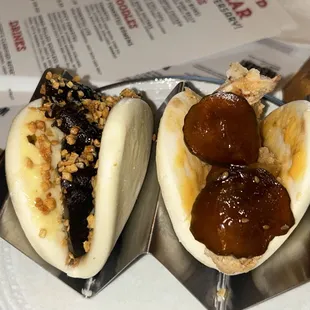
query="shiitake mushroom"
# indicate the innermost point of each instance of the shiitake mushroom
(222, 129)
(240, 210)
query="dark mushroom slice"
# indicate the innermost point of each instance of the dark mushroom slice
(240, 211)
(68, 112)
(222, 129)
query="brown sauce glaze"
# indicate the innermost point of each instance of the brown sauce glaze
(222, 129)
(240, 211)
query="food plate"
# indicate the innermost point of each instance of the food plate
(149, 230)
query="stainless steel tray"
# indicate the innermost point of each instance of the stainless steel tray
(149, 232)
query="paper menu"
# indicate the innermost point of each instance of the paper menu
(111, 39)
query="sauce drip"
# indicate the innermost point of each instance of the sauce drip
(222, 129)
(240, 211)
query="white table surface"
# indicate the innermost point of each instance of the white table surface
(146, 285)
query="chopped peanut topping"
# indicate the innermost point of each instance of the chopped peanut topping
(44, 146)
(74, 130)
(48, 75)
(46, 176)
(29, 163)
(64, 153)
(86, 245)
(43, 89)
(72, 168)
(32, 127)
(46, 167)
(91, 221)
(64, 242)
(97, 143)
(46, 185)
(71, 139)
(40, 125)
(129, 93)
(76, 78)
(42, 233)
(41, 206)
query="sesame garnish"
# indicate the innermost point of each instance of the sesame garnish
(244, 220)
(266, 227)
(256, 179)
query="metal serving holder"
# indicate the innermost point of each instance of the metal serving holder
(149, 232)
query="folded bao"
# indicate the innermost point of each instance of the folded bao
(75, 163)
(235, 185)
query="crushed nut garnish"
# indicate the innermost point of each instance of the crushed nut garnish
(64, 242)
(72, 168)
(29, 163)
(42, 233)
(86, 245)
(285, 227)
(91, 221)
(50, 203)
(44, 146)
(48, 75)
(154, 137)
(76, 78)
(40, 125)
(46, 185)
(71, 139)
(69, 84)
(41, 206)
(32, 127)
(224, 175)
(45, 166)
(43, 89)
(129, 93)
(58, 93)
(74, 130)
(67, 176)
(96, 143)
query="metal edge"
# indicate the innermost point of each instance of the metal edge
(186, 78)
